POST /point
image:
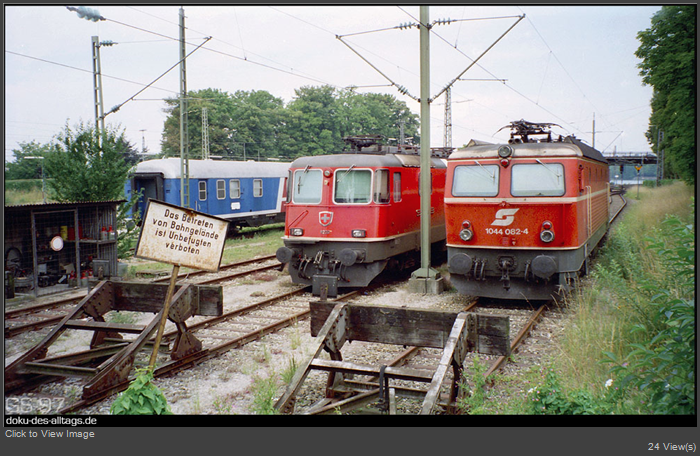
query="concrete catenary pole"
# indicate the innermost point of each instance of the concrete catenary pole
(424, 138)
(184, 143)
(97, 84)
(425, 279)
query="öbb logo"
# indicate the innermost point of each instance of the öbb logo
(505, 217)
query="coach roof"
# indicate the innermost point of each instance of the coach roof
(212, 169)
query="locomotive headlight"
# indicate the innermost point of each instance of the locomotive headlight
(466, 233)
(296, 231)
(505, 151)
(547, 235)
(359, 233)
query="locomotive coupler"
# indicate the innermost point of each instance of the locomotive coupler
(506, 265)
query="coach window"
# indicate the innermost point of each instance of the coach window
(220, 189)
(257, 188)
(234, 188)
(352, 186)
(397, 187)
(307, 185)
(202, 190)
(475, 180)
(537, 179)
(381, 186)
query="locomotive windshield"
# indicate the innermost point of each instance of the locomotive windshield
(475, 180)
(537, 179)
(307, 186)
(353, 186)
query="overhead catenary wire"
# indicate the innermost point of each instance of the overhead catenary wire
(116, 108)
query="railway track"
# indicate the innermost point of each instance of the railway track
(234, 329)
(39, 316)
(239, 327)
(405, 396)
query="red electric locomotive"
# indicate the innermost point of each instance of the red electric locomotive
(522, 218)
(351, 214)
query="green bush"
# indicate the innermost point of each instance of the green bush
(141, 398)
(551, 399)
(658, 373)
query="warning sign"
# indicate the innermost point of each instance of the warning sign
(181, 236)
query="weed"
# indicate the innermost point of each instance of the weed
(288, 374)
(141, 398)
(264, 392)
(475, 394)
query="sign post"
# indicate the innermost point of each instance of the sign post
(181, 237)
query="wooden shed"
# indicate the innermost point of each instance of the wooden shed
(55, 247)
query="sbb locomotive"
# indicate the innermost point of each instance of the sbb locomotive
(352, 214)
(246, 193)
(523, 217)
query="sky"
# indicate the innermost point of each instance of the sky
(573, 66)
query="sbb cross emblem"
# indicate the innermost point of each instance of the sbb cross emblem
(325, 218)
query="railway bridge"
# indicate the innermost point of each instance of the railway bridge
(630, 158)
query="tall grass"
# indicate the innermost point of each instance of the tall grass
(625, 309)
(20, 197)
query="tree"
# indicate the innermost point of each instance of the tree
(23, 168)
(249, 120)
(84, 167)
(668, 65)
(88, 165)
(312, 123)
(130, 153)
(380, 114)
(257, 124)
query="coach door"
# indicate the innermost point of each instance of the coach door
(202, 195)
(150, 186)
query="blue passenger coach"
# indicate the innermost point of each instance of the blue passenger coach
(246, 193)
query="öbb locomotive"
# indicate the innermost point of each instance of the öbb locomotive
(523, 217)
(353, 214)
(246, 193)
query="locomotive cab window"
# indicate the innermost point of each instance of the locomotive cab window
(202, 190)
(234, 188)
(307, 186)
(537, 179)
(381, 186)
(220, 189)
(475, 180)
(352, 186)
(257, 188)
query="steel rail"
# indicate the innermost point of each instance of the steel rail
(196, 358)
(185, 275)
(522, 334)
(13, 330)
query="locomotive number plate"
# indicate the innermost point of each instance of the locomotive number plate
(507, 231)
